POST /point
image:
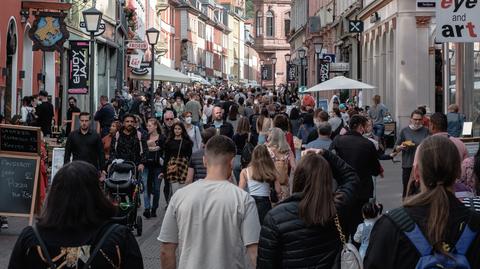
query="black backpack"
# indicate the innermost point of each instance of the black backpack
(247, 150)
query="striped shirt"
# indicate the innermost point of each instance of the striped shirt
(472, 202)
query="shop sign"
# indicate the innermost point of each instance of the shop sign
(49, 31)
(458, 21)
(140, 45)
(339, 67)
(425, 3)
(267, 72)
(78, 67)
(291, 73)
(324, 70)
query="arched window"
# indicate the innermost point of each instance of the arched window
(259, 23)
(270, 23)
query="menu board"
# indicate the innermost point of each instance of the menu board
(19, 139)
(18, 184)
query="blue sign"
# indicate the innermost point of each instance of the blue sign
(329, 58)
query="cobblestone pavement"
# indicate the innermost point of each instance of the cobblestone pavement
(388, 193)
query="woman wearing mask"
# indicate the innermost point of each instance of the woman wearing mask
(264, 123)
(300, 232)
(282, 157)
(75, 220)
(431, 223)
(178, 150)
(408, 140)
(153, 168)
(258, 178)
(193, 131)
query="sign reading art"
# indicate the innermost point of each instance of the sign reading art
(49, 31)
(458, 21)
(267, 72)
(78, 67)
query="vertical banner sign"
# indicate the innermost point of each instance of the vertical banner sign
(458, 21)
(267, 72)
(291, 70)
(78, 67)
(323, 70)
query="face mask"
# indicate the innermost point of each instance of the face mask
(415, 127)
(255, 102)
(39, 102)
(188, 120)
(367, 135)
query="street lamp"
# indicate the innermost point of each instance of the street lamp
(318, 50)
(92, 18)
(274, 62)
(262, 62)
(287, 61)
(301, 54)
(152, 38)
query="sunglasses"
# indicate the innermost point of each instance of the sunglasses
(169, 119)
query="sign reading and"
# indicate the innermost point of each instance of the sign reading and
(355, 26)
(78, 67)
(458, 21)
(291, 73)
(18, 184)
(20, 139)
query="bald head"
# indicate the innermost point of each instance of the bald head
(217, 113)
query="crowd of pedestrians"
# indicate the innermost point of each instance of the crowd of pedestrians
(257, 178)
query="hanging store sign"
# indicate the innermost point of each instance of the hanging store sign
(267, 72)
(339, 67)
(78, 67)
(458, 21)
(140, 45)
(323, 71)
(49, 31)
(291, 73)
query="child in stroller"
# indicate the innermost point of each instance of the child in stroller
(123, 188)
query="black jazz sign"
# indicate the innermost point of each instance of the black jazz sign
(291, 73)
(324, 70)
(78, 67)
(267, 72)
(19, 139)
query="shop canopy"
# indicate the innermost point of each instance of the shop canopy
(163, 73)
(339, 83)
(199, 79)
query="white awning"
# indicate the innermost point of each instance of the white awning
(339, 83)
(163, 73)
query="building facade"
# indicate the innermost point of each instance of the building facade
(272, 27)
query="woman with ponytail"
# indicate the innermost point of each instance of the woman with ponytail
(439, 216)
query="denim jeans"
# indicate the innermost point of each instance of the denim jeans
(379, 130)
(151, 174)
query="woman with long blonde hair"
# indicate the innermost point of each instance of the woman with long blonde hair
(282, 157)
(258, 177)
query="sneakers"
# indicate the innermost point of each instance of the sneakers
(153, 213)
(146, 213)
(4, 223)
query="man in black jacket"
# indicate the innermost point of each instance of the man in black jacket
(44, 112)
(223, 127)
(105, 115)
(85, 145)
(360, 153)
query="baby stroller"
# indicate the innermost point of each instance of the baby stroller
(123, 188)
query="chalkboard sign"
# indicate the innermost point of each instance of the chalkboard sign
(19, 139)
(18, 184)
(75, 121)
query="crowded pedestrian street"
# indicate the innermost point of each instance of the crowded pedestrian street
(232, 134)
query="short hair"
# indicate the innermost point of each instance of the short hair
(84, 114)
(207, 134)
(417, 112)
(43, 93)
(356, 121)
(220, 147)
(325, 129)
(129, 115)
(104, 97)
(439, 121)
(72, 98)
(323, 115)
(453, 107)
(423, 110)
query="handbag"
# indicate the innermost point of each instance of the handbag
(177, 168)
(349, 258)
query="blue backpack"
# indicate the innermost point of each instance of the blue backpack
(428, 258)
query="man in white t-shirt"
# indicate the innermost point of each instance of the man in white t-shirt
(212, 222)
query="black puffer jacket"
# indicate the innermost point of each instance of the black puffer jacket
(286, 241)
